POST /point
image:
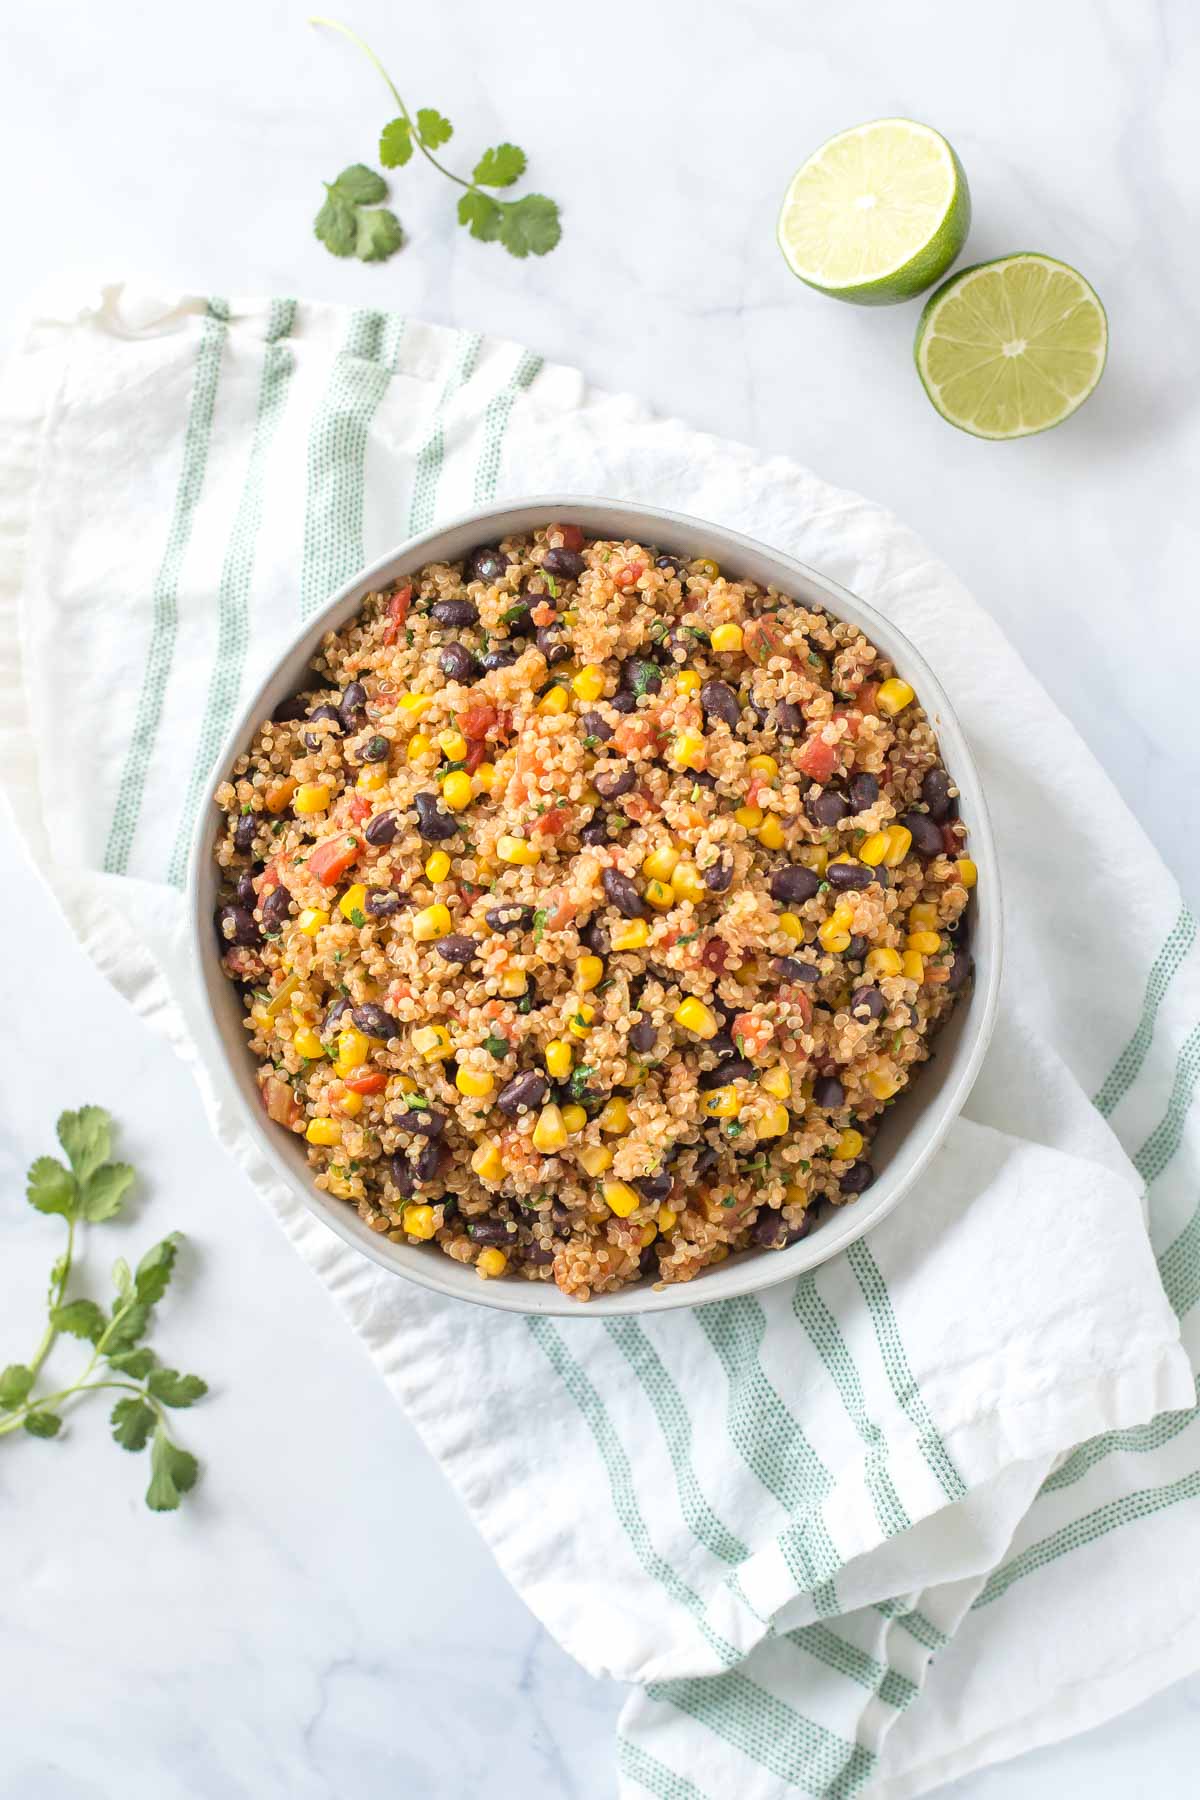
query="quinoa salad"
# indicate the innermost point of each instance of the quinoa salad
(590, 907)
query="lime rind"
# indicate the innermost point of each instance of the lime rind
(1066, 363)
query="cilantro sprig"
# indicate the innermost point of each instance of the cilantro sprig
(525, 227)
(91, 1191)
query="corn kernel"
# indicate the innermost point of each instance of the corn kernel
(279, 795)
(631, 936)
(833, 936)
(882, 962)
(660, 865)
(849, 1145)
(453, 745)
(722, 1103)
(899, 839)
(324, 1131)
(687, 681)
(589, 971)
(777, 1081)
(437, 865)
(726, 639)
(649, 1233)
(476, 1084)
(893, 696)
(703, 565)
(574, 1118)
(589, 683)
(415, 704)
(764, 765)
(795, 1194)
(620, 1198)
(614, 1116)
(312, 919)
(431, 922)
(550, 1133)
(873, 849)
(372, 777)
(749, 816)
(350, 1104)
(884, 1086)
(659, 896)
(927, 942)
(418, 1221)
(516, 850)
(777, 1121)
(354, 900)
(790, 923)
(432, 1042)
(513, 983)
(308, 1043)
(487, 1161)
(418, 744)
(687, 883)
(594, 1159)
(922, 917)
(665, 1220)
(770, 832)
(353, 1048)
(456, 790)
(491, 1264)
(968, 874)
(912, 965)
(693, 1015)
(579, 1024)
(814, 857)
(558, 1059)
(311, 797)
(554, 700)
(485, 777)
(687, 749)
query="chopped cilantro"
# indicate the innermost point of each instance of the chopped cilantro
(734, 1128)
(496, 1046)
(539, 924)
(525, 1003)
(357, 918)
(551, 584)
(590, 741)
(417, 1103)
(729, 1200)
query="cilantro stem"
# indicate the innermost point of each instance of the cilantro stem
(50, 1335)
(82, 1386)
(353, 37)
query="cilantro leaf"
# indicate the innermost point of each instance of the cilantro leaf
(500, 166)
(42, 1424)
(15, 1383)
(481, 214)
(154, 1271)
(433, 128)
(137, 1363)
(82, 1318)
(86, 1136)
(132, 1422)
(395, 144)
(174, 1389)
(127, 1328)
(337, 224)
(539, 924)
(104, 1191)
(379, 235)
(51, 1188)
(361, 186)
(173, 1472)
(496, 1046)
(530, 226)
(122, 1276)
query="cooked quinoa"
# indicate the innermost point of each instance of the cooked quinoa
(590, 907)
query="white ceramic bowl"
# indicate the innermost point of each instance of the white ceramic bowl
(912, 1130)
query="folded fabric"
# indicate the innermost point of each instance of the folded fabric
(928, 1505)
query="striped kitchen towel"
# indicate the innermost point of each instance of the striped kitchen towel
(929, 1505)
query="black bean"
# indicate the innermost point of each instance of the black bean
(596, 725)
(960, 970)
(612, 780)
(849, 875)
(794, 882)
(236, 925)
(935, 792)
(864, 791)
(382, 902)
(769, 1229)
(334, 1016)
(718, 875)
(433, 825)
(789, 720)
(735, 1068)
(648, 1259)
(642, 1037)
(247, 894)
(510, 917)
(857, 1179)
(455, 613)
(314, 739)
(516, 619)
(790, 968)
(243, 833)
(291, 709)
(594, 937)
(353, 709)
(526, 1090)
(867, 1003)
(760, 709)
(624, 702)
(669, 560)
(828, 1093)
(382, 828)
(486, 564)
(856, 949)
(926, 836)
(429, 1161)
(706, 1161)
(655, 1187)
(722, 1045)
(490, 1231)
(622, 894)
(503, 656)
(403, 1178)
(458, 664)
(718, 701)
(638, 676)
(457, 948)
(803, 1228)
(421, 1121)
(595, 831)
(374, 750)
(551, 645)
(375, 1022)
(827, 808)
(565, 565)
(275, 910)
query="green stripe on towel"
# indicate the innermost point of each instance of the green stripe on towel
(495, 424)
(792, 1747)
(654, 1776)
(427, 471)
(1128, 1065)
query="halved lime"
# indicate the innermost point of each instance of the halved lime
(877, 214)
(1011, 347)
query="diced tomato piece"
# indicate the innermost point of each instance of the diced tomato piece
(359, 808)
(757, 784)
(818, 759)
(572, 537)
(330, 860)
(634, 734)
(751, 1034)
(476, 720)
(798, 999)
(552, 823)
(271, 877)
(280, 1102)
(366, 1081)
(543, 613)
(398, 607)
(865, 699)
(951, 841)
(475, 755)
(762, 641)
(504, 722)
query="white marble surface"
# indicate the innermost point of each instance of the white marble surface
(324, 1623)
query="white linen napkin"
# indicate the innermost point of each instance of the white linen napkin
(927, 1506)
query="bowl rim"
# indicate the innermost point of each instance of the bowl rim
(749, 1271)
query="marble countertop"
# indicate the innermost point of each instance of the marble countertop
(327, 1626)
